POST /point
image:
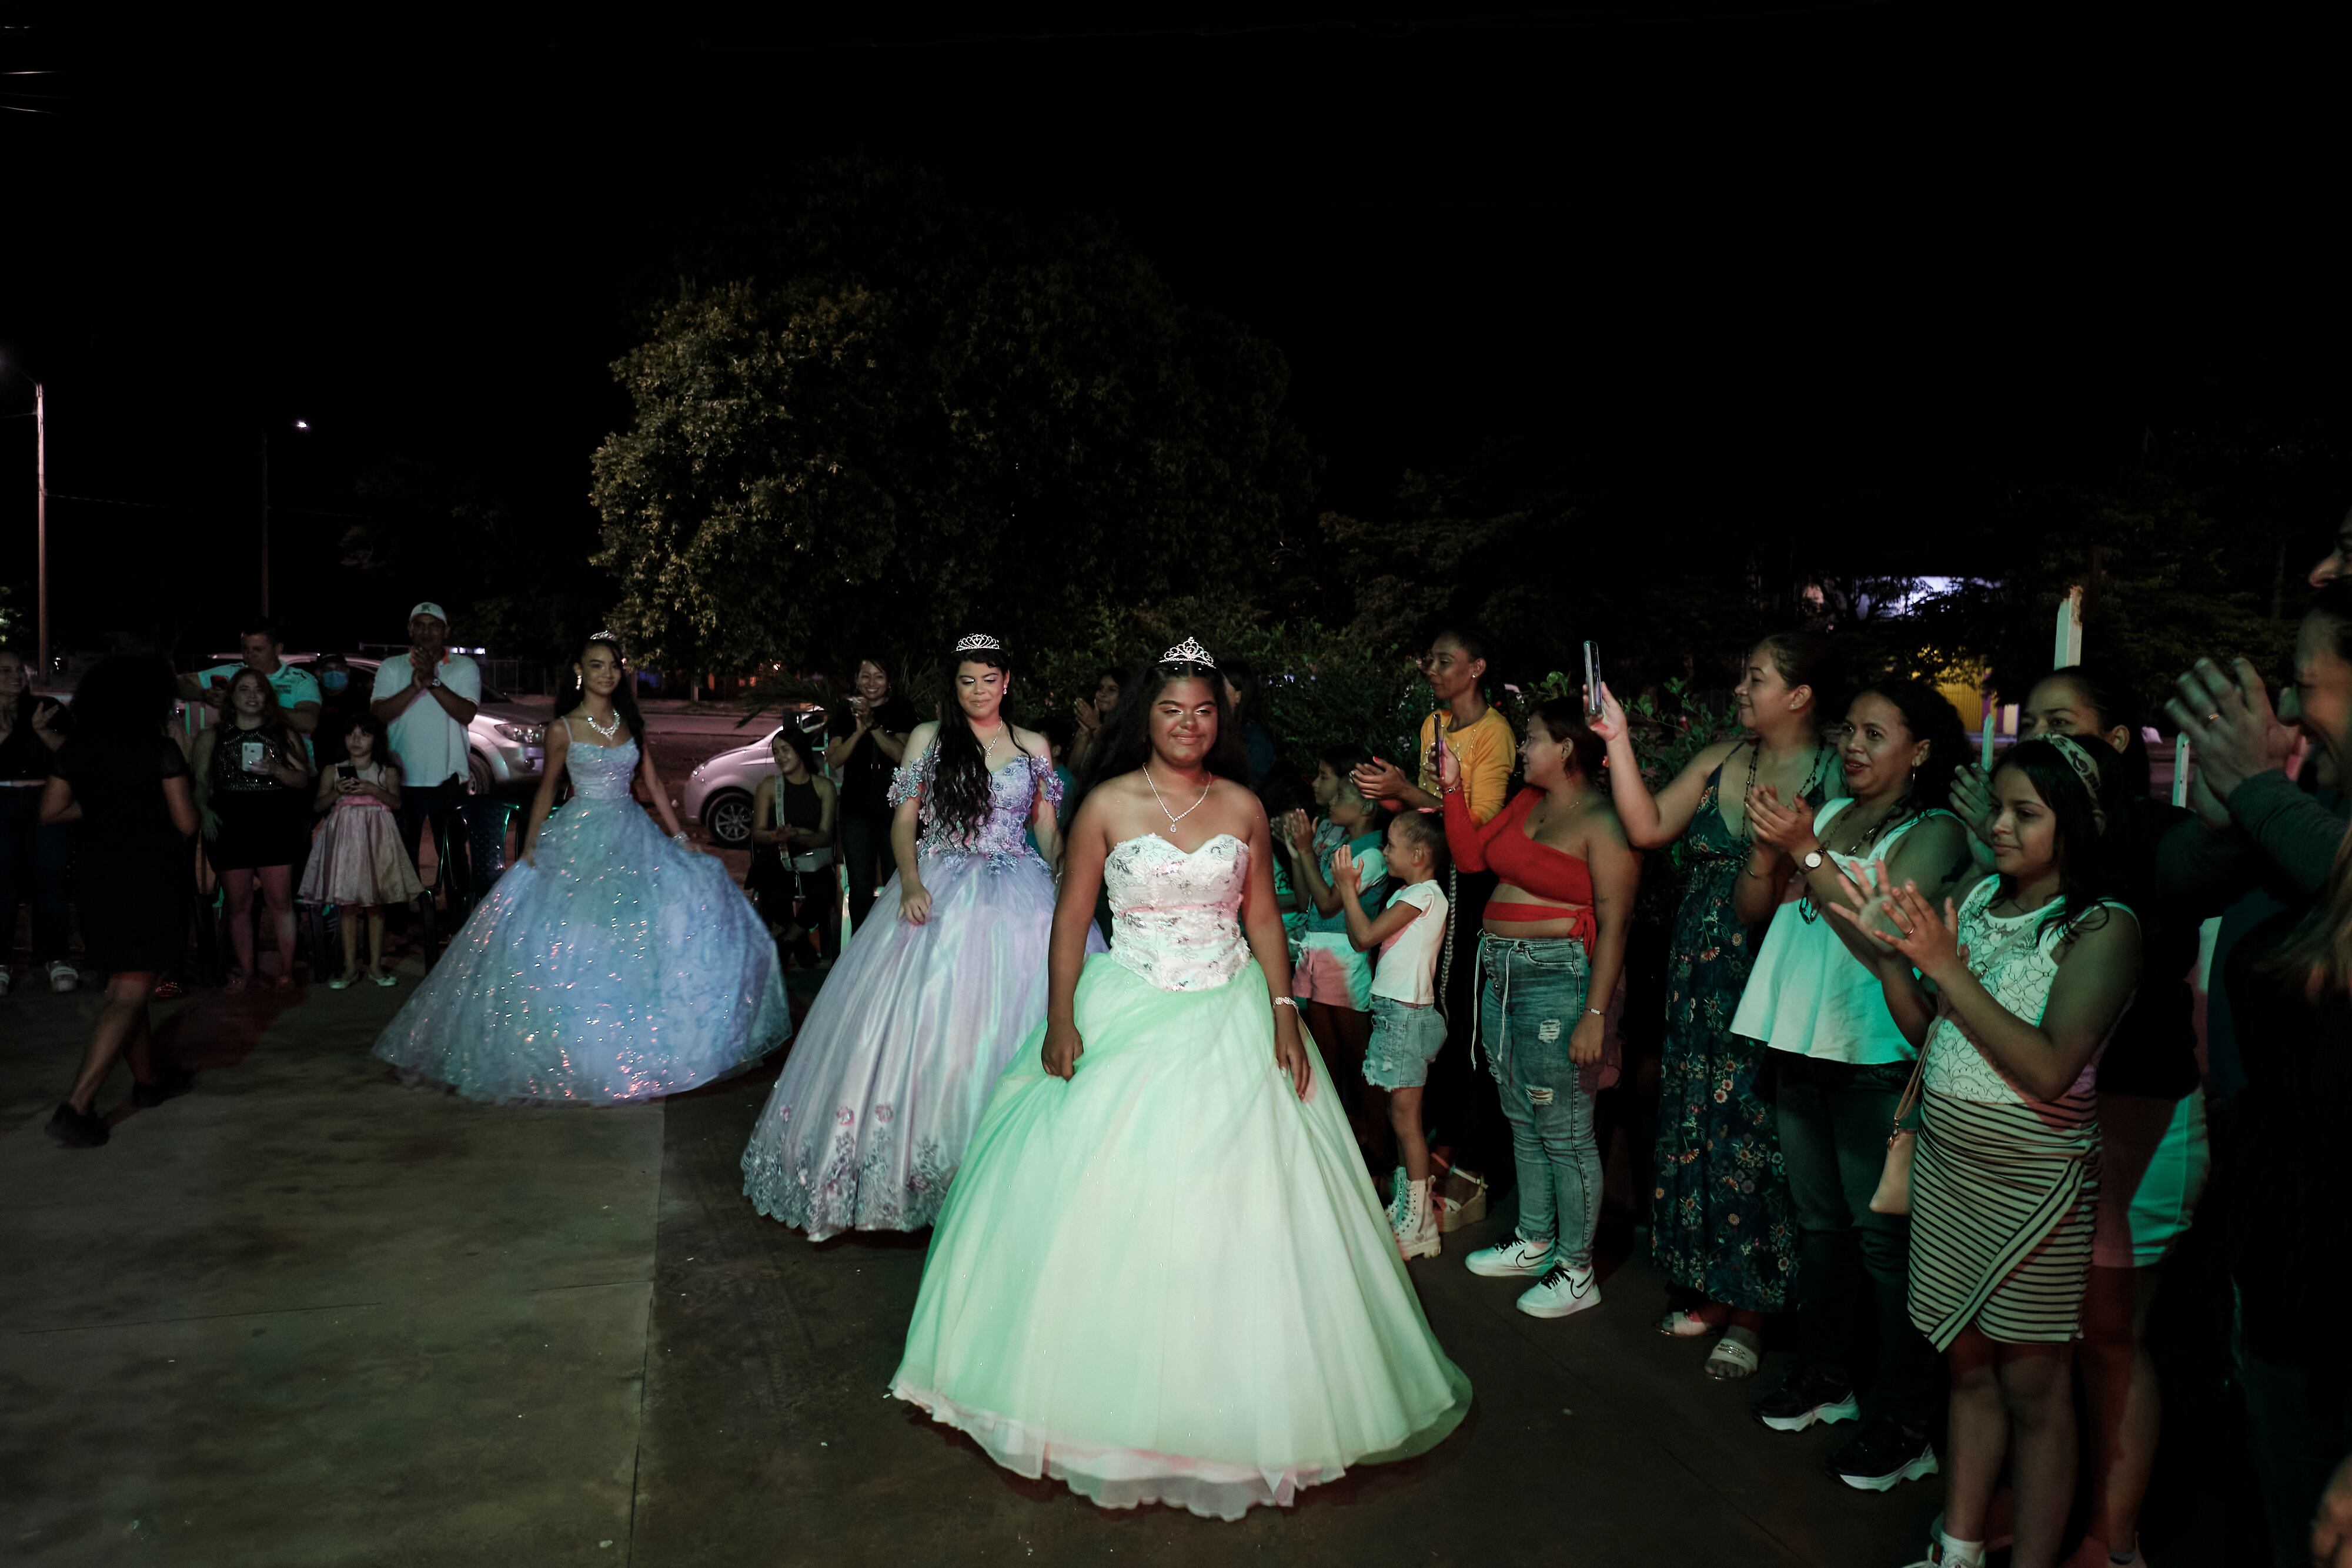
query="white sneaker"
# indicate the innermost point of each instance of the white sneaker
(1560, 1291)
(64, 978)
(1517, 1259)
(1415, 1223)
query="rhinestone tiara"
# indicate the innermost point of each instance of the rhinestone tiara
(602, 636)
(1188, 652)
(978, 642)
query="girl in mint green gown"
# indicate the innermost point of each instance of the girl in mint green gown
(1162, 1274)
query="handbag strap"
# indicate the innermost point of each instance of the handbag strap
(1912, 1092)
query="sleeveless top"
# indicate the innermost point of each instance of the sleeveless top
(369, 773)
(2016, 957)
(1175, 917)
(1808, 993)
(228, 774)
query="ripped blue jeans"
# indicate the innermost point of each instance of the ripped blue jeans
(1531, 995)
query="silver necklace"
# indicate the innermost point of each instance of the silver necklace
(608, 731)
(1173, 816)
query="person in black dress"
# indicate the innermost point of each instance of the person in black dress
(121, 777)
(792, 852)
(253, 797)
(867, 743)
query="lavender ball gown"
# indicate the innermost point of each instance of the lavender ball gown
(896, 1057)
(620, 968)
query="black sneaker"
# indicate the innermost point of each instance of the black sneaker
(1883, 1454)
(77, 1129)
(1806, 1395)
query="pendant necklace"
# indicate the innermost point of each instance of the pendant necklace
(1173, 816)
(608, 731)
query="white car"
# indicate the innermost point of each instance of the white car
(718, 793)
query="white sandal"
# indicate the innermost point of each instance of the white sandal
(1732, 1359)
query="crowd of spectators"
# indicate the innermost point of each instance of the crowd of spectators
(1936, 1102)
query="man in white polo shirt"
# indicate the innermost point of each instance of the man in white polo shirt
(427, 700)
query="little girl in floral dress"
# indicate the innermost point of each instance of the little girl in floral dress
(359, 862)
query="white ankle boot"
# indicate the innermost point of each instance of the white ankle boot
(1414, 1219)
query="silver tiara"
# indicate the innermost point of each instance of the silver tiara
(1188, 652)
(612, 637)
(980, 642)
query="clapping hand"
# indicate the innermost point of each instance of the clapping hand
(1379, 781)
(1300, 831)
(1929, 941)
(1449, 764)
(1088, 719)
(2230, 720)
(1789, 829)
(1346, 874)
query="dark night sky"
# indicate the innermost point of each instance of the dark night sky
(1842, 260)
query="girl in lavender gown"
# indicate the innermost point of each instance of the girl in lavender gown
(897, 1055)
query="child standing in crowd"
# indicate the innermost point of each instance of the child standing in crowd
(1407, 1028)
(2028, 980)
(359, 862)
(1334, 981)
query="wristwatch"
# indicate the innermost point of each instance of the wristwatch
(1813, 859)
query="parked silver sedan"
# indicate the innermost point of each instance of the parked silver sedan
(718, 793)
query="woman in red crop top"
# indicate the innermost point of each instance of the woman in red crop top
(1553, 944)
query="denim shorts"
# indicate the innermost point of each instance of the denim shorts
(1405, 1039)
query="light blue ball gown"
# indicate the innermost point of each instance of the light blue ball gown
(1169, 1280)
(620, 968)
(870, 1115)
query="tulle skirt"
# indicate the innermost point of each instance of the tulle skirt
(896, 1059)
(358, 859)
(619, 968)
(1169, 1280)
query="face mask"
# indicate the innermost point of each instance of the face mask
(333, 680)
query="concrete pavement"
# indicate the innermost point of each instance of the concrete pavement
(306, 1315)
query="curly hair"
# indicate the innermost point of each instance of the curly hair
(959, 780)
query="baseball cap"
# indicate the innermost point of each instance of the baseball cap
(426, 607)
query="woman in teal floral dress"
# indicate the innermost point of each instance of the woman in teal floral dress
(1721, 1228)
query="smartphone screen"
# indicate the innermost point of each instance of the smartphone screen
(347, 769)
(254, 751)
(1593, 680)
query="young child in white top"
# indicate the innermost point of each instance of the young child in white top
(1407, 1028)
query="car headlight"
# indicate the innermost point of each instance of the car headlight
(524, 734)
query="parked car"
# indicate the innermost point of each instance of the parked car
(718, 792)
(506, 744)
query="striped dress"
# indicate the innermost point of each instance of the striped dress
(2005, 1186)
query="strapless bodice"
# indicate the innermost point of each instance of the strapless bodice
(601, 772)
(1175, 917)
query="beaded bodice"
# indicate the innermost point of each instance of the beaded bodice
(601, 772)
(1175, 916)
(1013, 792)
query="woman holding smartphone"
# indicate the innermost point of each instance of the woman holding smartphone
(253, 797)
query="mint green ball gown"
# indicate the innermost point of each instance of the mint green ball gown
(1169, 1280)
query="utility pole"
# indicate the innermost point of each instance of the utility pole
(265, 522)
(41, 526)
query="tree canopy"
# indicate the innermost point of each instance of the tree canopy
(878, 419)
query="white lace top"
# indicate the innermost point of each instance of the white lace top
(2016, 960)
(1175, 917)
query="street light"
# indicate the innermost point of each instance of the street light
(40, 522)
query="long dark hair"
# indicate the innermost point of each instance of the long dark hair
(380, 739)
(1129, 728)
(2113, 701)
(625, 696)
(273, 717)
(960, 781)
(2084, 873)
(125, 696)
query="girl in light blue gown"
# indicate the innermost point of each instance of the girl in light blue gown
(938, 990)
(1162, 1274)
(610, 964)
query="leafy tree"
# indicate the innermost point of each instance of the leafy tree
(931, 420)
